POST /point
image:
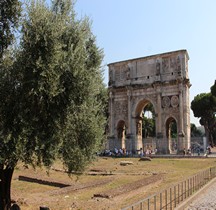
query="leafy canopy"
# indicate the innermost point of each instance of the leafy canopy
(10, 11)
(51, 89)
(204, 107)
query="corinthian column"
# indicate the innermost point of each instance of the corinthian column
(129, 111)
(181, 113)
(159, 130)
(181, 135)
(111, 114)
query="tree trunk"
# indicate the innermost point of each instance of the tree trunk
(207, 133)
(5, 187)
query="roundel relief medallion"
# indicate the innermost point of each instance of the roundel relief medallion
(166, 101)
(174, 101)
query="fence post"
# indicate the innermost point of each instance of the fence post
(175, 196)
(141, 205)
(170, 198)
(188, 188)
(161, 201)
(195, 179)
(182, 194)
(178, 194)
(155, 203)
(210, 173)
(166, 198)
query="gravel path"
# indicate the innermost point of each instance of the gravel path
(206, 200)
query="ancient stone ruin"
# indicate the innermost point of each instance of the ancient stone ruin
(161, 80)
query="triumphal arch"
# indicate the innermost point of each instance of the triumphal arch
(161, 80)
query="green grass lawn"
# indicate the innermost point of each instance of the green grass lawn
(111, 177)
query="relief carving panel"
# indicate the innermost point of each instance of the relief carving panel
(165, 64)
(122, 73)
(165, 102)
(174, 101)
(170, 101)
(171, 64)
(121, 108)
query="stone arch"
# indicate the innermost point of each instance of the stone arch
(140, 104)
(161, 80)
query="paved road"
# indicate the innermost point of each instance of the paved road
(206, 200)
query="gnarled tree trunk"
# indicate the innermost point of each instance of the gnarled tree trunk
(5, 187)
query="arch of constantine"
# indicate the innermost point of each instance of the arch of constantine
(161, 80)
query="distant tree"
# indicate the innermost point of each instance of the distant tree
(203, 106)
(52, 95)
(148, 123)
(213, 89)
(173, 129)
(195, 132)
(148, 127)
(213, 92)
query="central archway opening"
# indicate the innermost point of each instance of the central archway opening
(146, 126)
(148, 129)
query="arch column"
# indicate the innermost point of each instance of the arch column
(121, 135)
(160, 143)
(139, 133)
(181, 134)
(111, 137)
(129, 111)
(129, 144)
(111, 114)
(159, 120)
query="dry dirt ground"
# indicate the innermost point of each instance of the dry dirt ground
(106, 184)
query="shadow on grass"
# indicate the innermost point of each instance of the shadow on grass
(44, 182)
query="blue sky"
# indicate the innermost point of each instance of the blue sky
(128, 29)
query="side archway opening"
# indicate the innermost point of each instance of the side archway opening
(172, 135)
(121, 134)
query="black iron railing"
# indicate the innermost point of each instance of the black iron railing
(171, 197)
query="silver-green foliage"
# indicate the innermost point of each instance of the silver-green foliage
(51, 90)
(10, 11)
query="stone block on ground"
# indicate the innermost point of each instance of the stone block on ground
(125, 163)
(145, 159)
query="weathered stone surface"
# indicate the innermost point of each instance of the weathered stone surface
(161, 80)
(125, 163)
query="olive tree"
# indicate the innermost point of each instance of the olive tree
(10, 12)
(50, 93)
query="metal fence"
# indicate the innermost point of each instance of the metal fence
(169, 198)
